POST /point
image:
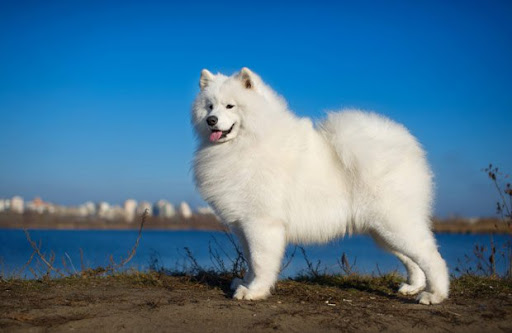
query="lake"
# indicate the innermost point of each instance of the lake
(166, 249)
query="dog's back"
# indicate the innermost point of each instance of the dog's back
(385, 160)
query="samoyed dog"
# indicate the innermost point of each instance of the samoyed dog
(275, 178)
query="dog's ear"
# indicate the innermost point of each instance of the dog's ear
(206, 78)
(247, 77)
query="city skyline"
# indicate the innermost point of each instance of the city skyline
(95, 97)
(128, 210)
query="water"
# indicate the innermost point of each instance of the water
(168, 248)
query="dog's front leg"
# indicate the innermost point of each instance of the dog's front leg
(266, 241)
(248, 277)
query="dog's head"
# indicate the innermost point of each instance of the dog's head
(221, 107)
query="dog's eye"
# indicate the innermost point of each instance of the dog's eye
(230, 106)
(210, 106)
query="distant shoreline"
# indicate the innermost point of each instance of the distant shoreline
(46, 221)
(462, 226)
(206, 222)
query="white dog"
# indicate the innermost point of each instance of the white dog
(274, 178)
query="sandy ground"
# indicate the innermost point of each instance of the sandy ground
(179, 305)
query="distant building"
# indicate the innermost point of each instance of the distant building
(105, 211)
(39, 206)
(207, 210)
(17, 205)
(102, 209)
(130, 206)
(116, 213)
(142, 206)
(90, 208)
(81, 211)
(163, 208)
(185, 210)
(84, 210)
(35, 205)
(2, 205)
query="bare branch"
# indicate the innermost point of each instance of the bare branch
(41, 255)
(115, 266)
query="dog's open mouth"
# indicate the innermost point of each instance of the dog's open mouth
(218, 134)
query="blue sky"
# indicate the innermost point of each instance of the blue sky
(95, 96)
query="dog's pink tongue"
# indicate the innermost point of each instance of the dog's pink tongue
(215, 136)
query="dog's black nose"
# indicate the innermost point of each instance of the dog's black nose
(212, 120)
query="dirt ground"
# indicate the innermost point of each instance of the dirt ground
(142, 303)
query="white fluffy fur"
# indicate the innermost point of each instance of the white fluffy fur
(276, 178)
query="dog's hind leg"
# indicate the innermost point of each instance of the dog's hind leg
(266, 242)
(416, 281)
(417, 243)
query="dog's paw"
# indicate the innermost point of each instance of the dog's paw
(407, 289)
(430, 298)
(235, 283)
(244, 293)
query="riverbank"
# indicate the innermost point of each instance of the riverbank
(208, 222)
(205, 222)
(155, 302)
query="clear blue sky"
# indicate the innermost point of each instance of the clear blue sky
(95, 97)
